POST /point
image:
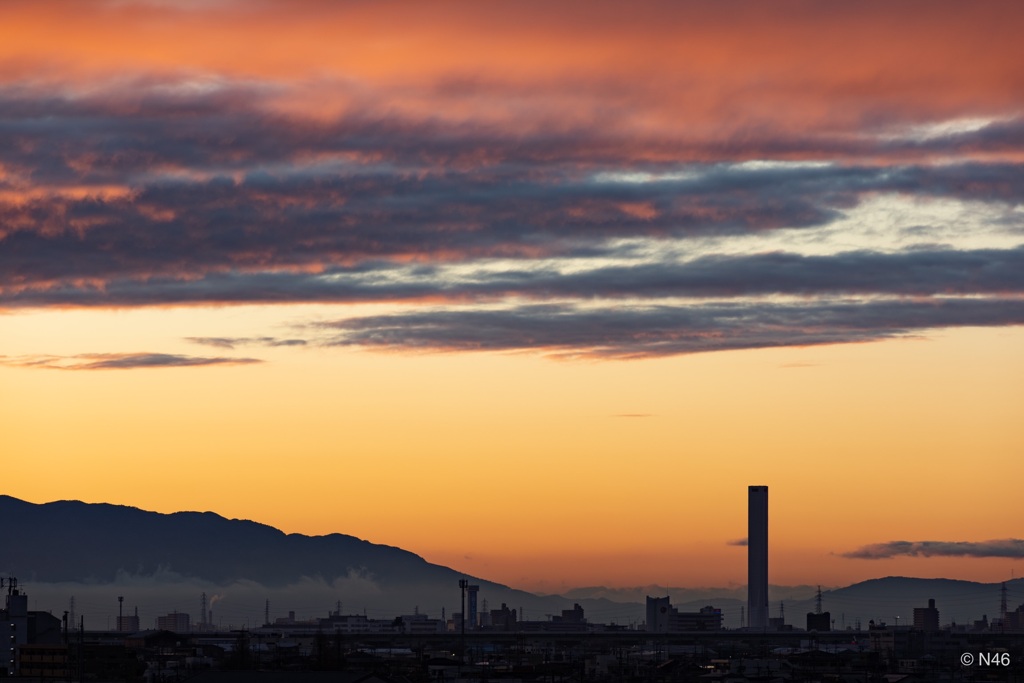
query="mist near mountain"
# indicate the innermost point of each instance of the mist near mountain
(162, 563)
(881, 600)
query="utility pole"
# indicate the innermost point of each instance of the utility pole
(81, 650)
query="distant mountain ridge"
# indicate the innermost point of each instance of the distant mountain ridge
(681, 595)
(96, 544)
(76, 541)
(69, 547)
(882, 599)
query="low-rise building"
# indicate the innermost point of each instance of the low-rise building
(178, 622)
(662, 617)
(20, 628)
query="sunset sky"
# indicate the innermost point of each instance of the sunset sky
(532, 289)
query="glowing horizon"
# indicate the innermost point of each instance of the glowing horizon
(534, 292)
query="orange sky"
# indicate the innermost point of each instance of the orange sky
(377, 170)
(535, 472)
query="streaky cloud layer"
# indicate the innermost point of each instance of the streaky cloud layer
(660, 330)
(674, 151)
(121, 361)
(1008, 548)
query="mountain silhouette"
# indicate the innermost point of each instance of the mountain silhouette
(97, 550)
(164, 561)
(75, 541)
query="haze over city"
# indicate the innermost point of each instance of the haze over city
(534, 291)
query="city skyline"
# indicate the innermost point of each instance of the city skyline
(531, 292)
(153, 565)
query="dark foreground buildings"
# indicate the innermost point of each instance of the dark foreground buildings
(29, 641)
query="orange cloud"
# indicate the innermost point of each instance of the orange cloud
(692, 68)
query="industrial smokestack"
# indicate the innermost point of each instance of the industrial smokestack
(757, 557)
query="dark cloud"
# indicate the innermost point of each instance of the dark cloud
(637, 332)
(1007, 548)
(121, 134)
(232, 342)
(738, 542)
(154, 193)
(911, 273)
(919, 273)
(122, 361)
(212, 183)
(267, 224)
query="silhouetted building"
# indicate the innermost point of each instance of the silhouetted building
(707, 619)
(569, 621)
(43, 661)
(503, 619)
(20, 628)
(570, 616)
(662, 617)
(129, 624)
(421, 623)
(1015, 620)
(926, 618)
(757, 557)
(658, 614)
(355, 623)
(178, 622)
(819, 621)
(882, 639)
(471, 593)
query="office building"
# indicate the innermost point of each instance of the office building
(658, 614)
(179, 622)
(926, 618)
